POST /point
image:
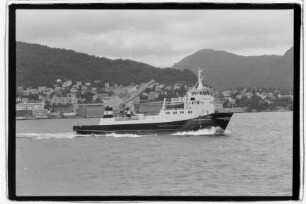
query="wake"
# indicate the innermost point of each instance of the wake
(213, 131)
(69, 135)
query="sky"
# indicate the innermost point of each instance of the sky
(159, 37)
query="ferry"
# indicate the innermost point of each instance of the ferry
(192, 112)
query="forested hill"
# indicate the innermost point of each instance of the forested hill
(224, 70)
(38, 65)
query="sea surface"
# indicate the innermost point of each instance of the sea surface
(252, 158)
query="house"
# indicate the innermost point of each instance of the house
(30, 106)
(34, 91)
(71, 95)
(263, 95)
(29, 92)
(218, 103)
(231, 100)
(90, 110)
(168, 88)
(287, 96)
(249, 95)
(78, 83)
(93, 90)
(57, 88)
(63, 100)
(177, 86)
(104, 95)
(18, 100)
(73, 90)
(24, 100)
(239, 96)
(271, 95)
(26, 93)
(42, 98)
(226, 93)
(130, 89)
(157, 88)
(267, 101)
(84, 91)
(67, 84)
(121, 92)
(42, 89)
(19, 89)
(97, 97)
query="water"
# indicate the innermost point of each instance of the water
(253, 158)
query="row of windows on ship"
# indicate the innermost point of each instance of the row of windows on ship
(201, 93)
(175, 112)
(198, 102)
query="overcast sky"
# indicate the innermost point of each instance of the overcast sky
(160, 37)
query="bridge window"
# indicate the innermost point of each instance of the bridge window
(175, 112)
(167, 113)
(181, 112)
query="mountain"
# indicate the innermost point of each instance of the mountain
(38, 65)
(223, 69)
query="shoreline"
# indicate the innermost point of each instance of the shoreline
(100, 117)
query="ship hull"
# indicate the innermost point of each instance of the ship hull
(220, 120)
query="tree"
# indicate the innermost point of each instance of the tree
(87, 96)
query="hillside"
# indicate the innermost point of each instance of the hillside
(224, 70)
(38, 65)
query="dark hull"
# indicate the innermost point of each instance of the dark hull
(213, 120)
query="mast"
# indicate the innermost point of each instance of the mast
(200, 83)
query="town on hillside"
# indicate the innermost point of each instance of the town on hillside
(66, 99)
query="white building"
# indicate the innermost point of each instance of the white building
(63, 100)
(42, 89)
(30, 106)
(73, 90)
(78, 83)
(226, 93)
(130, 89)
(67, 83)
(112, 101)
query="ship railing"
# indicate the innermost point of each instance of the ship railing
(174, 103)
(133, 117)
(172, 108)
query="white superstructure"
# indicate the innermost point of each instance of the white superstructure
(199, 101)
